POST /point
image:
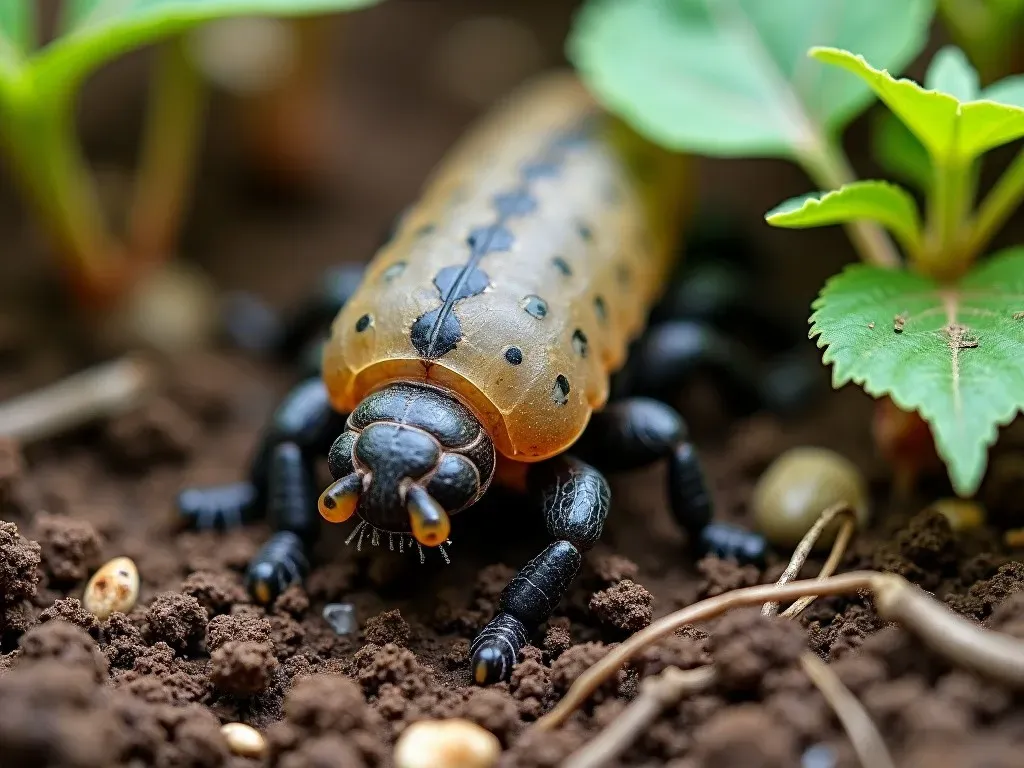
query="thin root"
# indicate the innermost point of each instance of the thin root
(803, 550)
(993, 655)
(864, 736)
(657, 694)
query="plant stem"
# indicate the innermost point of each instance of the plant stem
(43, 149)
(949, 202)
(1001, 201)
(172, 129)
(825, 162)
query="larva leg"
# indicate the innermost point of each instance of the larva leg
(639, 431)
(575, 498)
(280, 473)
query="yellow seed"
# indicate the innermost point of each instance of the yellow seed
(1014, 538)
(452, 743)
(798, 486)
(114, 587)
(963, 515)
(244, 740)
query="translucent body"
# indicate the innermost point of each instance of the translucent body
(522, 274)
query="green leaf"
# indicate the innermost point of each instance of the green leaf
(95, 31)
(732, 78)
(951, 72)
(889, 205)
(899, 152)
(953, 131)
(952, 353)
(1009, 90)
(16, 34)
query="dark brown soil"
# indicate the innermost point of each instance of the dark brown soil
(153, 686)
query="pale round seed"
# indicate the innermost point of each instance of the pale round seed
(798, 486)
(454, 743)
(114, 587)
(244, 740)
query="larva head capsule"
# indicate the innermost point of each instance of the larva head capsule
(411, 456)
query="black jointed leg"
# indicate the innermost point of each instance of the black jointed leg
(638, 431)
(575, 498)
(280, 485)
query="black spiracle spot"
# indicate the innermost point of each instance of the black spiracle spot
(535, 306)
(623, 274)
(514, 355)
(562, 265)
(393, 271)
(600, 309)
(584, 231)
(579, 342)
(560, 391)
(363, 323)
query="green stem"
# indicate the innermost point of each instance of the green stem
(949, 205)
(1001, 201)
(825, 162)
(171, 133)
(41, 143)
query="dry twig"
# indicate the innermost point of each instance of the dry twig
(803, 550)
(866, 740)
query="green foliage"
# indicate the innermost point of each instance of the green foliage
(950, 351)
(951, 130)
(889, 205)
(733, 78)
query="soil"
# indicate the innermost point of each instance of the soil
(152, 687)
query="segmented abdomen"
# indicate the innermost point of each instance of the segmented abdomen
(520, 277)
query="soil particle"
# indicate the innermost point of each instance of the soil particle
(391, 664)
(244, 627)
(746, 647)
(574, 662)
(530, 685)
(70, 609)
(543, 749)
(722, 576)
(558, 638)
(1008, 616)
(19, 563)
(241, 668)
(158, 432)
(65, 643)
(326, 705)
(493, 710)
(216, 591)
(983, 596)
(287, 635)
(924, 552)
(123, 641)
(176, 619)
(982, 752)
(387, 627)
(687, 648)
(330, 751)
(746, 736)
(845, 631)
(625, 606)
(611, 568)
(293, 602)
(53, 717)
(70, 547)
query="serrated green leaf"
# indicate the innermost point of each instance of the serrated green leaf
(953, 131)
(94, 31)
(731, 78)
(879, 201)
(899, 152)
(951, 72)
(16, 34)
(952, 353)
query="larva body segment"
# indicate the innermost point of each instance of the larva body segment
(519, 279)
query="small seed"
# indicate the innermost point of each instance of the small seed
(114, 587)
(452, 743)
(798, 486)
(962, 514)
(244, 740)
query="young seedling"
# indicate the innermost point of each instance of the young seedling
(926, 329)
(38, 87)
